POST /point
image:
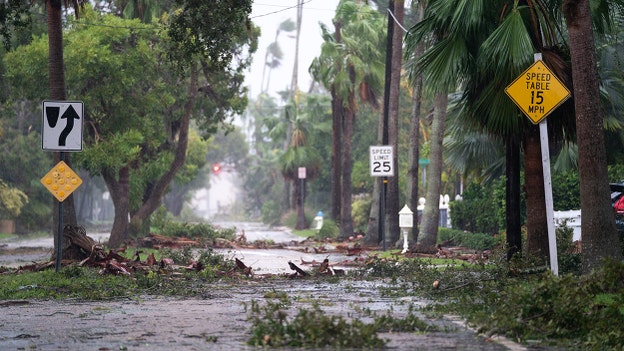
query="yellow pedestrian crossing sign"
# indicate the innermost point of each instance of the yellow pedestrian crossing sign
(61, 181)
(537, 92)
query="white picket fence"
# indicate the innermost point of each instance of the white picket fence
(571, 217)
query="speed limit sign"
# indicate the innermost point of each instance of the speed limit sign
(381, 164)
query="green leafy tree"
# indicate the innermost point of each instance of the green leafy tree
(11, 201)
(189, 177)
(136, 156)
(22, 164)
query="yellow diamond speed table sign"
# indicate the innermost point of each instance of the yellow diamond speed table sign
(537, 92)
(61, 181)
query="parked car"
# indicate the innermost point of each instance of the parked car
(617, 201)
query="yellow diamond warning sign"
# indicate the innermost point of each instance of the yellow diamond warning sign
(537, 92)
(61, 181)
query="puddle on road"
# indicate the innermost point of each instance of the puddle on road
(266, 261)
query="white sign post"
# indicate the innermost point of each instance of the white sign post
(537, 92)
(62, 126)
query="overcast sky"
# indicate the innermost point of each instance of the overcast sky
(268, 14)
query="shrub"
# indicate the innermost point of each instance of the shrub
(329, 230)
(361, 212)
(566, 191)
(568, 260)
(587, 312)
(203, 231)
(309, 328)
(477, 211)
(271, 213)
(475, 241)
(290, 219)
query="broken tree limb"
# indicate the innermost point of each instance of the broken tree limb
(299, 271)
(78, 246)
(243, 267)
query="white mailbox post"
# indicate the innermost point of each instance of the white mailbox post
(318, 220)
(406, 221)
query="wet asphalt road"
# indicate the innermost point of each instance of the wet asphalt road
(217, 320)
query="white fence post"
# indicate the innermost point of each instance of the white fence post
(445, 211)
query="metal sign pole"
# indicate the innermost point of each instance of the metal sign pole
(552, 238)
(59, 238)
(382, 213)
(59, 230)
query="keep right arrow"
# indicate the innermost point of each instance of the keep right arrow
(69, 114)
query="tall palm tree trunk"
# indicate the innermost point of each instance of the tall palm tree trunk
(346, 218)
(392, 208)
(428, 235)
(512, 197)
(537, 223)
(297, 191)
(414, 134)
(598, 225)
(336, 155)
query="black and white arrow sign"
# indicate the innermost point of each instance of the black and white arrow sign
(62, 126)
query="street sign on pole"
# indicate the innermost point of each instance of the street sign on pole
(381, 164)
(62, 126)
(537, 92)
(61, 181)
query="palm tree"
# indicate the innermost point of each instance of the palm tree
(350, 63)
(145, 10)
(297, 156)
(299, 153)
(394, 55)
(411, 190)
(486, 46)
(428, 234)
(274, 54)
(598, 226)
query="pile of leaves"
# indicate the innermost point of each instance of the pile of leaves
(525, 304)
(584, 312)
(308, 328)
